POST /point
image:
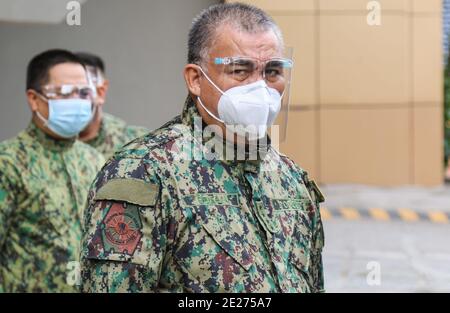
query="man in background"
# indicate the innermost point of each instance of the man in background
(106, 133)
(45, 174)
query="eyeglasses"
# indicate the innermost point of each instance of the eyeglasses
(67, 91)
(241, 68)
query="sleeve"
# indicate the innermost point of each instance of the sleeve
(316, 276)
(316, 265)
(125, 237)
(318, 239)
(8, 194)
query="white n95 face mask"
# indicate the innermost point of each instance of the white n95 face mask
(251, 108)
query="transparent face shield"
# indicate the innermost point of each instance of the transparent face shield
(95, 80)
(279, 128)
(229, 72)
(94, 76)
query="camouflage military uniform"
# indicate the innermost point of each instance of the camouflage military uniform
(114, 133)
(43, 190)
(158, 222)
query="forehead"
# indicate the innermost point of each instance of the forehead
(230, 41)
(67, 73)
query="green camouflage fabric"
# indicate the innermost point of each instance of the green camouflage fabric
(158, 222)
(114, 133)
(44, 184)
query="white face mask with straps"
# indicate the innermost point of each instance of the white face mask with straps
(251, 108)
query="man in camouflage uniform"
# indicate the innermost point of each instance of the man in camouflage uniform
(106, 133)
(44, 180)
(160, 220)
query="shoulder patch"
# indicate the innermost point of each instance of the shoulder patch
(129, 190)
(122, 229)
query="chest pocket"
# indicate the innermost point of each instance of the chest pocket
(215, 244)
(51, 202)
(50, 210)
(290, 228)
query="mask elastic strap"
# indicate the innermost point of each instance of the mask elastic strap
(201, 102)
(209, 79)
(209, 112)
(41, 96)
(45, 121)
(39, 115)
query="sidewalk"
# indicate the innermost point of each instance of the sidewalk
(413, 256)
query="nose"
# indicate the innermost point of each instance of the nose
(257, 74)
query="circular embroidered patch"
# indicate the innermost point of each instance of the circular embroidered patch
(122, 229)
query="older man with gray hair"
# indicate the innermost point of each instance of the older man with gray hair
(171, 213)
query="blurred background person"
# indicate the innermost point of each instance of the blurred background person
(106, 132)
(45, 174)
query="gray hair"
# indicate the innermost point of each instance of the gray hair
(241, 16)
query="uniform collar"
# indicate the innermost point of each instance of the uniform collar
(47, 141)
(101, 135)
(190, 114)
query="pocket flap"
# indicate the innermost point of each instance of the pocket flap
(221, 217)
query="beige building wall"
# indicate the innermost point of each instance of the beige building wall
(366, 100)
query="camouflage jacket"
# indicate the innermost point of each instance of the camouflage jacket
(156, 221)
(114, 133)
(43, 189)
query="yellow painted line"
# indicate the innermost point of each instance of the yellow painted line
(408, 215)
(379, 214)
(438, 217)
(325, 213)
(350, 213)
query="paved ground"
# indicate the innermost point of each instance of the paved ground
(409, 256)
